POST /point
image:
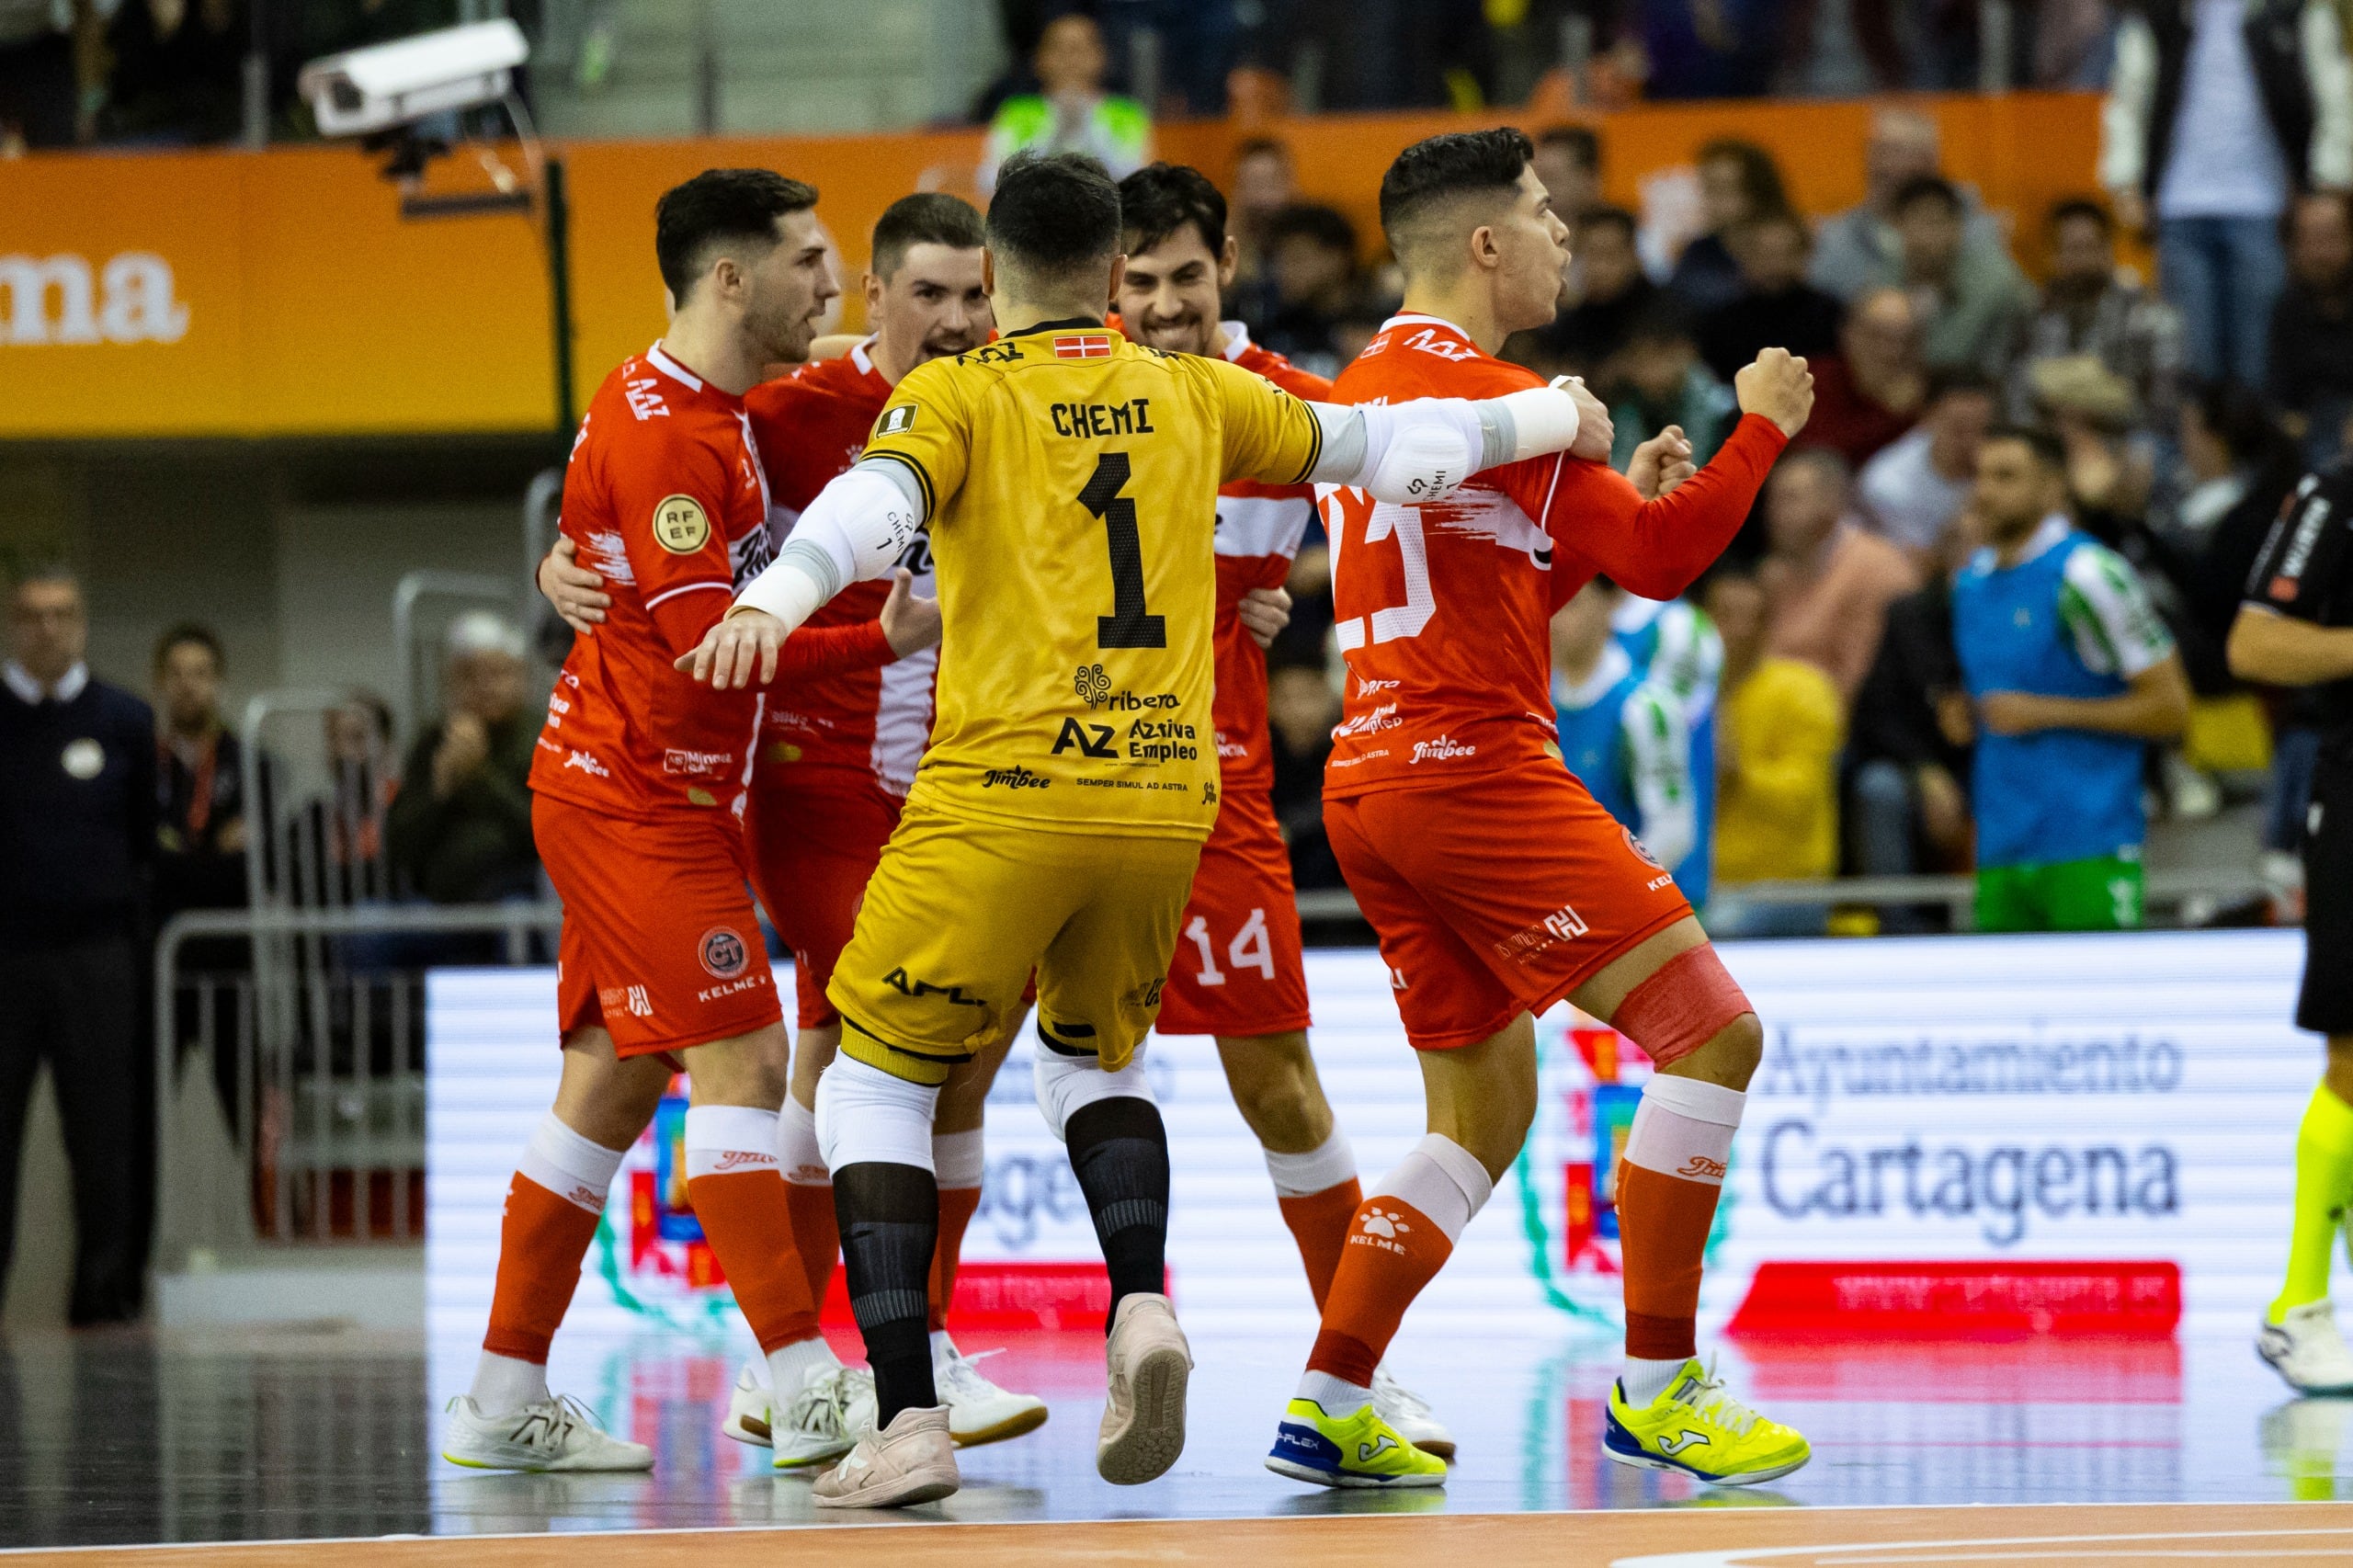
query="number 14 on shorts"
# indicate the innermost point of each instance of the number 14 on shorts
(1250, 949)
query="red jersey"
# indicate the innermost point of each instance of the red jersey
(663, 498)
(1258, 530)
(1442, 613)
(873, 717)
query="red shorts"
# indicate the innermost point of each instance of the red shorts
(1495, 896)
(1236, 974)
(660, 946)
(814, 843)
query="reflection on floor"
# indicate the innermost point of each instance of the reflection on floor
(128, 1438)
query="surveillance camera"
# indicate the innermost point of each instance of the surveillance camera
(388, 85)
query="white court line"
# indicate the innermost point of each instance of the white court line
(1973, 1550)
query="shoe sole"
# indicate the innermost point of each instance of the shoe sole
(2313, 1391)
(1340, 1480)
(503, 1467)
(906, 1493)
(1439, 1449)
(1011, 1427)
(1747, 1478)
(748, 1429)
(1155, 1431)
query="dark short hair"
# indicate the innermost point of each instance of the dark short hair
(719, 207)
(53, 573)
(1927, 187)
(189, 632)
(1160, 198)
(1256, 145)
(1325, 226)
(2036, 439)
(1609, 218)
(1760, 176)
(2239, 417)
(1438, 169)
(1776, 218)
(1053, 214)
(1958, 380)
(928, 218)
(2082, 206)
(1583, 142)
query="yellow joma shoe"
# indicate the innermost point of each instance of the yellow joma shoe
(1348, 1450)
(1697, 1428)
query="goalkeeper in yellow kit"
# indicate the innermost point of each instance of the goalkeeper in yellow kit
(1068, 478)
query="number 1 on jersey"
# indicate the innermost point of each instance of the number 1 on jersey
(1128, 625)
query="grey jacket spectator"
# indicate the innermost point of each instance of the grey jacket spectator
(1858, 250)
(460, 830)
(1974, 307)
(2088, 309)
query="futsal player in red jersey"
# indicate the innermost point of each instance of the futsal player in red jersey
(1495, 883)
(639, 794)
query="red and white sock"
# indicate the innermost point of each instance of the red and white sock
(1667, 1187)
(553, 1206)
(1398, 1240)
(1318, 1193)
(959, 1161)
(735, 1182)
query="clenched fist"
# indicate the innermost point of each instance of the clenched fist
(1595, 434)
(1777, 385)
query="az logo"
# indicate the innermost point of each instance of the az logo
(1092, 740)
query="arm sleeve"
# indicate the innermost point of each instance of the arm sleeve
(2116, 630)
(853, 532)
(2303, 557)
(1659, 755)
(669, 515)
(1656, 549)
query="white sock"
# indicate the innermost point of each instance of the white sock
(1321, 1169)
(1442, 1179)
(791, 1366)
(941, 1346)
(1645, 1380)
(504, 1385)
(1335, 1396)
(575, 1169)
(724, 1139)
(796, 1146)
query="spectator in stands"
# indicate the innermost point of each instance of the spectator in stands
(2312, 327)
(2215, 114)
(1873, 389)
(1265, 182)
(1301, 707)
(1612, 290)
(177, 69)
(2072, 675)
(2088, 308)
(1828, 580)
(1624, 736)
(1312, 261)
(77, 844)
(1705, 49)
(1916, 486)
(1069, 112)
(1738, 182)
(1661, 382)
(1776, 307)
(1778, 725)
(2111, 465)
(1568, 162)
(1972, 306)
(200, 797)
(460, 831)
(39, 92)
(1859, 250)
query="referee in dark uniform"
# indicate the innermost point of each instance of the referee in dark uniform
(2295, 629)
(77, 839)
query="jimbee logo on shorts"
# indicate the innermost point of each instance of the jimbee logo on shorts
(724, 954)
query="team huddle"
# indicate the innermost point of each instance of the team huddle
(949, 647)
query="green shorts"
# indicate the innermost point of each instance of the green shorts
(2103, 894)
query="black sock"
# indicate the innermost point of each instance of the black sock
(1118, 1149)
(889, 1216)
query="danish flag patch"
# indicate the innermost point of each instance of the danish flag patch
(1084, 346)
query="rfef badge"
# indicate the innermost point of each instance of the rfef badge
(681, 525)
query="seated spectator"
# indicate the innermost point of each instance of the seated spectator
(1776, 308)
(1071, 112)
(1780, 724)
(1660, 381)
(460, 831)
(1873, 391)
(1312, 262)
(1624, 736)
(1907, 743)
(1858, 251)
(1612, 290)
(2109, 467)
(178, 69)
(2088, 309)
(1568, 161)
(1265, 182)
(1738, 182)
(1972, 307)
(1829, 580)
(1914, 488)
(2237, 467)
(1301, 707)
(2072, 675)
(2312, 327)
(200, 859)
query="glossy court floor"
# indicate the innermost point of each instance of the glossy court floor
(133, 1437)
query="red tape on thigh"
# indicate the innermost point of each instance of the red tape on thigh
(1686, 1003)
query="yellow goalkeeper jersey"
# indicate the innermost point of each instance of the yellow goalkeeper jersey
(1070, 478)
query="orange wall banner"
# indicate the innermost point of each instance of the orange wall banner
(281, 293)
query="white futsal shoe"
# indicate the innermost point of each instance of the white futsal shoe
(2307, 1350)
(1411, 1415)
(554, 1434)
(1148, 1362)
(832, 1411)
(911, 1461)
(978, 1410)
